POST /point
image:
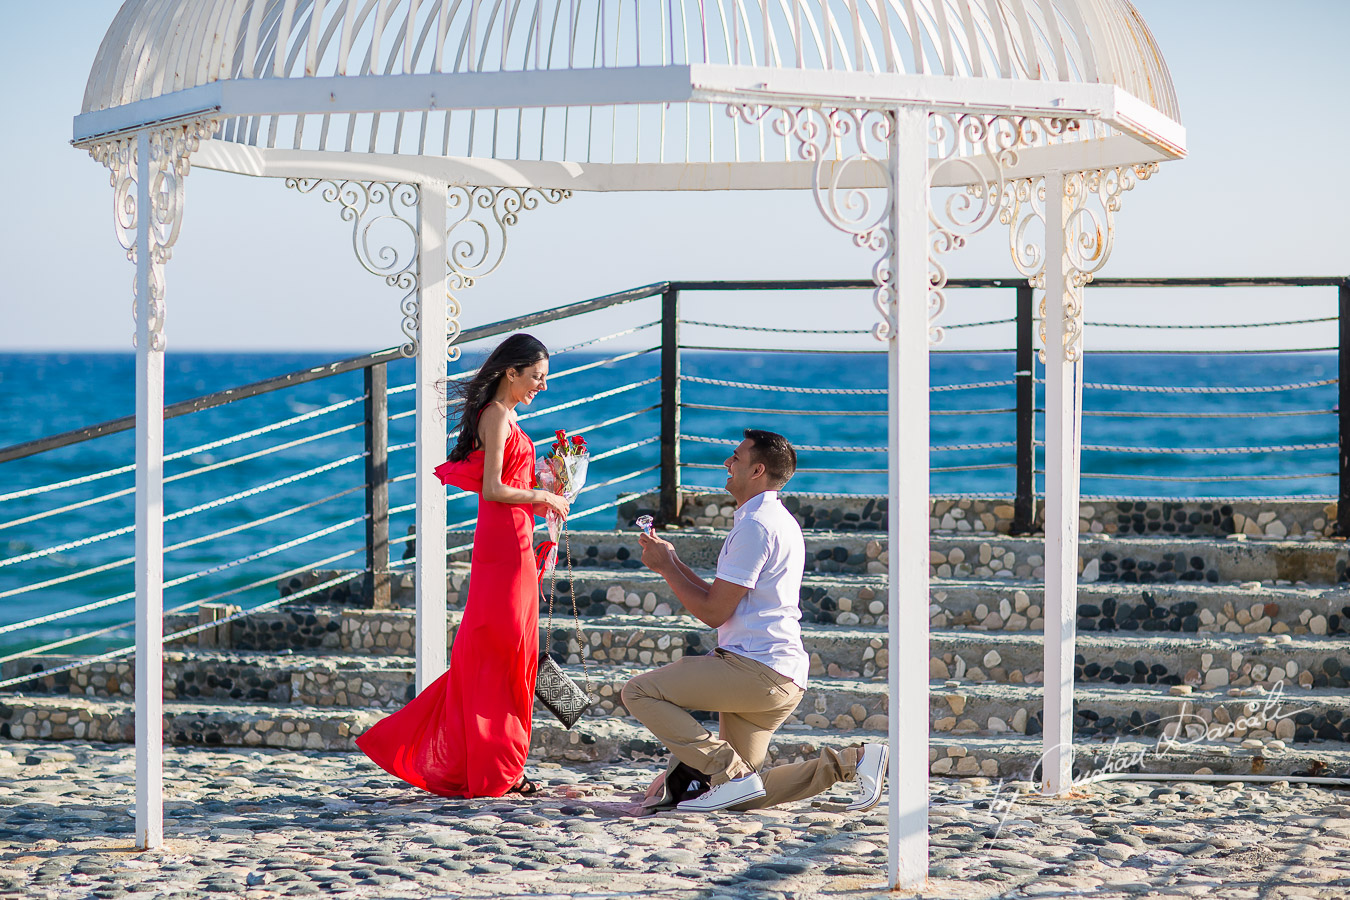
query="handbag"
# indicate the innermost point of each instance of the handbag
(558, 693)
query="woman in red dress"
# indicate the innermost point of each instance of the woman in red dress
(468, 733)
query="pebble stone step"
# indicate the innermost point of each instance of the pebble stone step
(842, 704)
(385, 683)
(614, 739)
(1254, 517)
(1203, 661)
(1249, 608)
(1128, 560)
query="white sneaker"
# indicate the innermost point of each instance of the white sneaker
(871, 776)
(728, 793)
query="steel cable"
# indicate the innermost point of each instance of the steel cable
(1164, 389)
(601, 340)
(1213, 326)
(581, 401)
(107, 567)
(93, 539)
(184, 579)
(787, 390)
(202, 448)
(1206, 451)
(464, 548)
(992, 445)
(187, 632)
(261, 582)
(767, 329)
(1206, 415)
(1214, 478)
(783, 412)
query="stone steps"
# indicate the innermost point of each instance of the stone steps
(1097, 515)
(1214, 660)
(1128, 560)
(365, 682)
(611, 739)
(1248, 608)
(1212, 614)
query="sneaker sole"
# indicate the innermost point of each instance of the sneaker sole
(864, 807)
(738, 801)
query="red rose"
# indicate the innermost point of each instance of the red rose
(579, 441)
(562, 436)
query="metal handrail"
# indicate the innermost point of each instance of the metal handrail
(377, 413)
(315, 373)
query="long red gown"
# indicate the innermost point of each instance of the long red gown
(468, 733)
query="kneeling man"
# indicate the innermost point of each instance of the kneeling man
(757, 675)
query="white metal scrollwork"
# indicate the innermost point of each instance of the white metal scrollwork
(972, 150)
(1091, 200)
(385, 238)
(860, 140)
(977, 151)
(476, 232)
(171, 149)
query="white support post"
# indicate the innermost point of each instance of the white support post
(149, 526)
(907, 439)
(1061, 503)
(431, 432)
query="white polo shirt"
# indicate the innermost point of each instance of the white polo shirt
(765, 553)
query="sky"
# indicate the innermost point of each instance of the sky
(1263, 94)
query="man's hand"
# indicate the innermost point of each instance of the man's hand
(657, 554)
(712, 604)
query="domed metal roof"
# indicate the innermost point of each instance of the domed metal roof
(612, 81)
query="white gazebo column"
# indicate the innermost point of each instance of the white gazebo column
(148, 170)
(1061, 497)
(433, 334)
(907, 439)
(411, 250)
(149, 520)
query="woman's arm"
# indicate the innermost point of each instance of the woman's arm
(493, 428)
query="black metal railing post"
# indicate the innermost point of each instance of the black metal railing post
(377, 588)
(669, 509)
(1024, 501)
(1343, 407)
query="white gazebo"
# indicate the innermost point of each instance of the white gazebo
(434, 125)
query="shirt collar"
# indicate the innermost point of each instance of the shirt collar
(753, 504)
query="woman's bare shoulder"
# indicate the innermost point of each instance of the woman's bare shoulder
(494, 417)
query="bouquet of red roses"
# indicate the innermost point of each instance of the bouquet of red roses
(563, 471)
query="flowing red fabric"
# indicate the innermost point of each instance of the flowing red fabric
(468, 733)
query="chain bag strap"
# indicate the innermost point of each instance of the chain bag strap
(558, 692)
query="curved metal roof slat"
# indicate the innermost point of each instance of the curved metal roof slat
(159, 48)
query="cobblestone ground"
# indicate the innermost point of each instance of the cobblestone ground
(268, 823)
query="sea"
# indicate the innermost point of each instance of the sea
(273, 484)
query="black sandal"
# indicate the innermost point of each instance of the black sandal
(525, 787)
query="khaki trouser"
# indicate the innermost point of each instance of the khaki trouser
(752, 700)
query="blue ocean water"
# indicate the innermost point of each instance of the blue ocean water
(247, 536)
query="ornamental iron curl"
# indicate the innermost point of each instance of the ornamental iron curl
(974, 150)
(860, 141)
(977, 151)
(1090, 202)
(476, 232)
(171, 148)
(385, 237)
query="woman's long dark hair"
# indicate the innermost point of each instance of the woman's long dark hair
(519, 351)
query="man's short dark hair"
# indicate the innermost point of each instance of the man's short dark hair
(775, 453)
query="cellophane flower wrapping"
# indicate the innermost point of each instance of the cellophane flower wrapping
(563, 471)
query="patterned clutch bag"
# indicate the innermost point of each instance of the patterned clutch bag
(558, 693)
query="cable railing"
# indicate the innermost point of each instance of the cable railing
(250, 505)
(326, 461)
(1134, 432)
